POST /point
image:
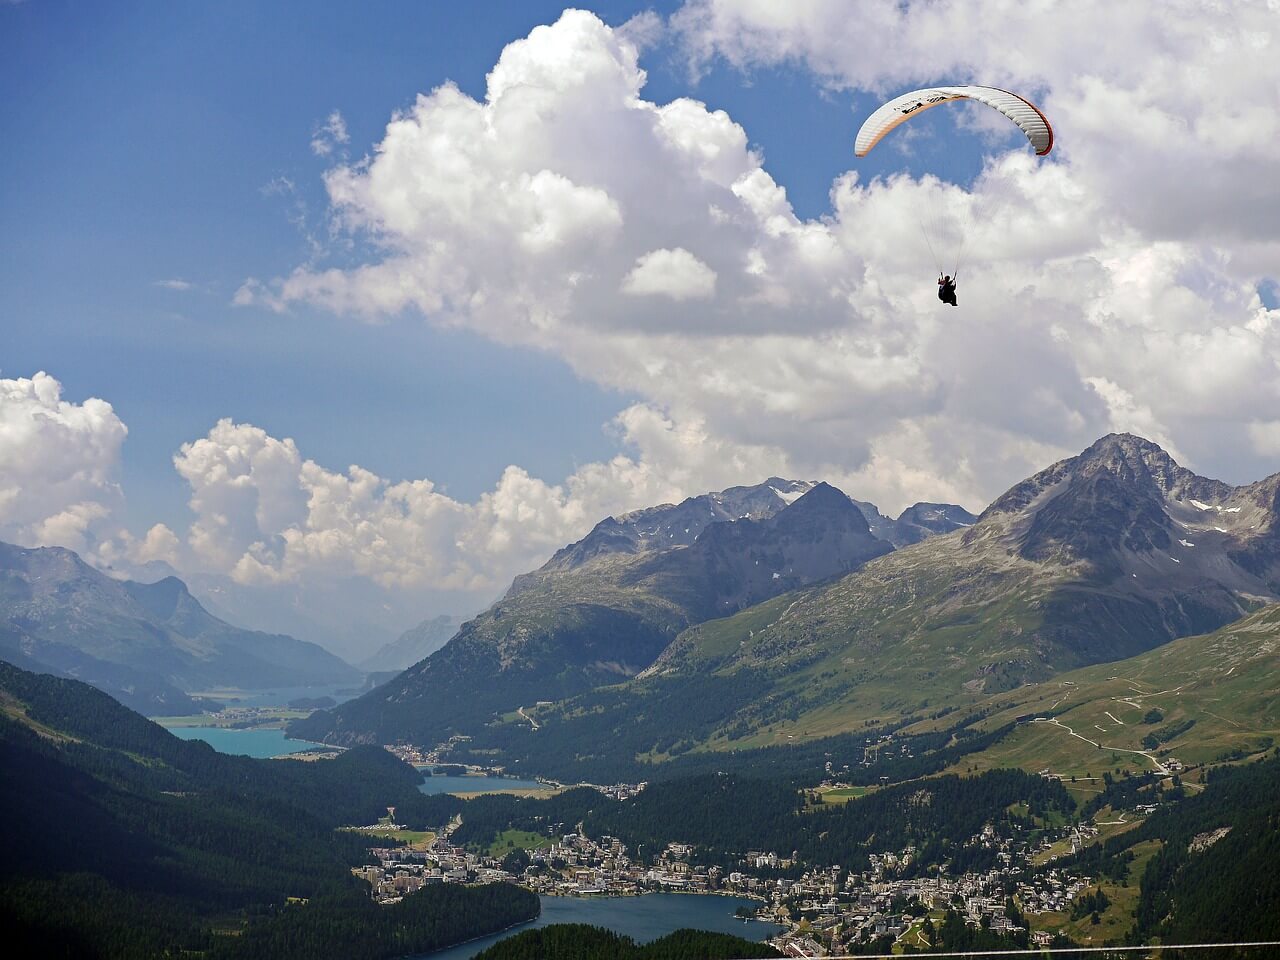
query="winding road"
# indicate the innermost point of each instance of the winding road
(1160, 767)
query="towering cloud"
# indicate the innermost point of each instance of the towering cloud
(647, 244)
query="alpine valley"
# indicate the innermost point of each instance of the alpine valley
(1051, 724)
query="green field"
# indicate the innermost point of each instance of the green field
(510, 840)
(840, 795)
(414, 838)
(1117, 919)
(1216, 694)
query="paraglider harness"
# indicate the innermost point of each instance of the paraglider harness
(947, 290)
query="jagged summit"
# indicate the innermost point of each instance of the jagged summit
(1096, 558)
(604, 608)
(670, 524)
(1122, 497)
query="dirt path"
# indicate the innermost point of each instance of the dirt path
(532, 722)
(1160, 767)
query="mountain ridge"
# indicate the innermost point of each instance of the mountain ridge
(1130, 556)
(146, 643)
(601, 609)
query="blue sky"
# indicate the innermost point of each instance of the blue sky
(152, 143)
(150, 137)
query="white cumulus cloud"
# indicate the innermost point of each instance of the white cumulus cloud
(265, 514)
(676, 274)
(58, 464)
(1113, 286)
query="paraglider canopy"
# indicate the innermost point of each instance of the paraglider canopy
(901, 109)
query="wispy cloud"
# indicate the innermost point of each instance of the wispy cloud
(296, 212)
(173, 283)
(329, 135)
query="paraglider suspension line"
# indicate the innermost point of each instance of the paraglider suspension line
(959, 257)
(925, 233)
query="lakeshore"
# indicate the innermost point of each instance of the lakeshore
(643, 918)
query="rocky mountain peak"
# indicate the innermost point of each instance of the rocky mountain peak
(1137, 460)
(1116, 497)
(825, 500)
(670, 525)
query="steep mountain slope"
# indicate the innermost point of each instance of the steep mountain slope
(1098, 558)
(144, 641)
(416, 643)
(121, 840)
(602, 609)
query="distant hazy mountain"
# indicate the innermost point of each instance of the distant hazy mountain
(918, 522)
(602, 609)
(142, 642)
(413, 645)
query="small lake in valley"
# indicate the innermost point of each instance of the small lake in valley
(438, 783)
(641, 918)
(250, 743)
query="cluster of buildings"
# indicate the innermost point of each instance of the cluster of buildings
(400, 871)
(1050, 892)
(826, 910)
(617, 791)
(425, 756)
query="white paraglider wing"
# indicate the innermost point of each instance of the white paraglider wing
(901, 109)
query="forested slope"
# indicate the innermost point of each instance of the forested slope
(121, 840)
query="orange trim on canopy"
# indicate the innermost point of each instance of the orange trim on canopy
(1047, 125)
(903, 118)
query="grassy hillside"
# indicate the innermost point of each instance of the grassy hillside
(1197, 699)
(931, 629)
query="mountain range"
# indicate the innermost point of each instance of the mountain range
(1097, 558)
(147, 644)
(602, 609)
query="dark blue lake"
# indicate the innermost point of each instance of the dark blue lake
(642, 918)
(438, 784)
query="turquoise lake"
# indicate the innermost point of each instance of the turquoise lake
(642, 918)
(249, 743)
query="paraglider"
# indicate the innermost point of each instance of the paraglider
(900, 109)
(947, 290)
